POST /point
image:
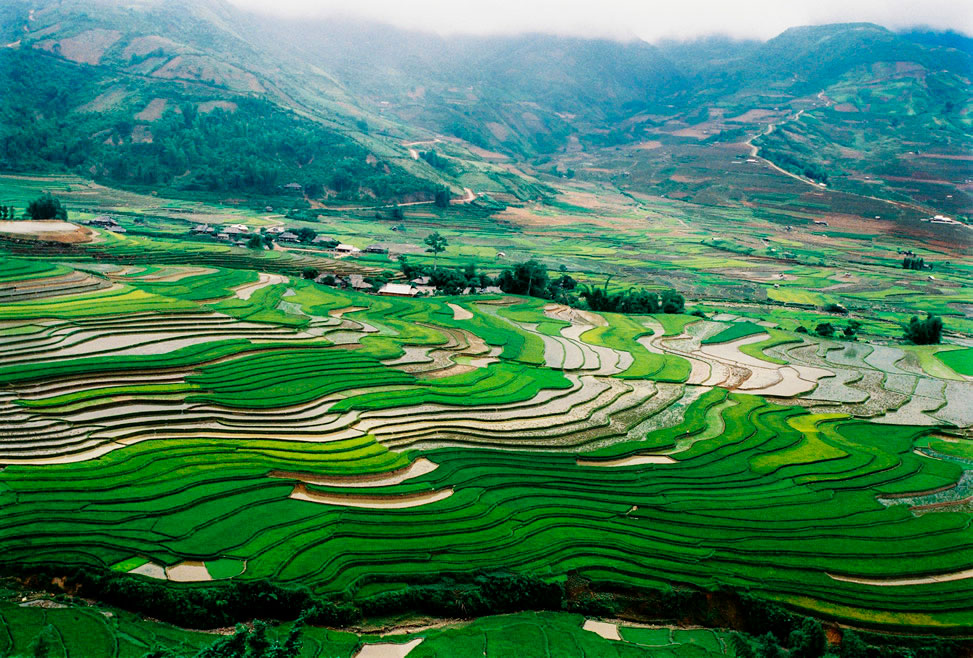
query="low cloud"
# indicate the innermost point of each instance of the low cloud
(648, 19)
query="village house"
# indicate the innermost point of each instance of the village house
(347, 249)
(274, 230)
(287, 236)
(398, 290)
(324, 240)
(376, 249)
(103, 221)
(357, 282)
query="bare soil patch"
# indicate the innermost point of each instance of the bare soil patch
(421, 466)
(400, 501)
(634, 460)
(901, 582)
(388, 649)
(602, 629)
(52, 230)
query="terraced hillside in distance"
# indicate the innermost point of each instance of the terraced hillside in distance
(321, 337)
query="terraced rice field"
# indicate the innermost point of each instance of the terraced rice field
(197, 422)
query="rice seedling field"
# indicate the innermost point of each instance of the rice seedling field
(169, 429)
(192, 414)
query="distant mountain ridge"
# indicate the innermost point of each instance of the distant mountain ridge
(365, 88)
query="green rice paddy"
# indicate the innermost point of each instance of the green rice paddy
(152, 417)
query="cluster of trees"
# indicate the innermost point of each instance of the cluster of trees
(828, 330)
(442, 197)
(449, 281)
(808, 640)
(46, 207)
(914, 263)
(924, 332)
(435, 160)
(633, 300)
(8, 212)
(787, 160)
(257, 241)
(532, 278)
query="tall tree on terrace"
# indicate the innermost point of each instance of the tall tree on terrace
(436, 244)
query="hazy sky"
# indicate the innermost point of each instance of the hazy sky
(649, 19)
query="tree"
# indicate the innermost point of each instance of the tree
(309, 273)
(254, 643)
(46, 207)
(767, 647)
(809, 640)
(852, 645)
(913, 263)
(527, 278)
(436, 244)
(825, 330)
(672, 302)
(306, 234)
(924, 332)
(255, 242)
(442, 197)
(741, 646)
(852, 329)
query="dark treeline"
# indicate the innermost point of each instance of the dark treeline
(771, 630)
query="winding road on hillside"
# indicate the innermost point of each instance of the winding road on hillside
(755, 153)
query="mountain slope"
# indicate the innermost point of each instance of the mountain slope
(200, 98)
